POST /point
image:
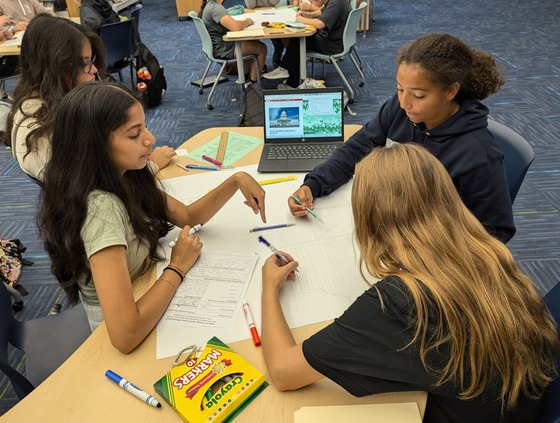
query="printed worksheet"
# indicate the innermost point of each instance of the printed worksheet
(211, 296)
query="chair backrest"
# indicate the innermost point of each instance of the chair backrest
(46, 341)
(135, 12)
(119, 41)
(204, 36)
(518, 154)
(349, 35)
(550, 407)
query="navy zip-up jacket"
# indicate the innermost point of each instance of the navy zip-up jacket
(463, 144)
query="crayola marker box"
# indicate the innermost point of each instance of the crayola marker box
(212, 388)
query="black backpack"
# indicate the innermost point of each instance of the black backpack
(151, 83)
(251, 106)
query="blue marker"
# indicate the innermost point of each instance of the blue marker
(134, 390)
(275, 251)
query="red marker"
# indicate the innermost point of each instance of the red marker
(251, 323)
(211, 160)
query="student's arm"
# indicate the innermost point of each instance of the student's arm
(284, 359)
(161, 156)
(310, 18)
(234, 25)
(129, 322)
(202, 210)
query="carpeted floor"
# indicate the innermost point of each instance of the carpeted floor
(523, 35)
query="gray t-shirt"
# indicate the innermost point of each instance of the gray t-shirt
(211, 16)
(107, 224)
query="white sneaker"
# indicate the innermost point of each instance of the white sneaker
(278, 73)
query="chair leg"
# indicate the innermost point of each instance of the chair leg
(132, 84)
(201, 87)
(346, 83)
(120, 76)
(257, 68)
(359, 69)
(313, 68)
(353, 50)
(208, 103)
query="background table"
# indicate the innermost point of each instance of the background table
(270, 33)
(79, 391)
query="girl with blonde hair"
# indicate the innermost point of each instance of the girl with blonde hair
(452, 314)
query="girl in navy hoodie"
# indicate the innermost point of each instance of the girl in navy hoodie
(440, 81)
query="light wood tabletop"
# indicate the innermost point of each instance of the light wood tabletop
(78, 391)
(270, 33)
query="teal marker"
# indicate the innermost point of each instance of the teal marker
(311, 212)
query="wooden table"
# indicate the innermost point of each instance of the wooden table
(13, 50)
(79, 391)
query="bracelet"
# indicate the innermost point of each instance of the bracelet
(174, 269)
(169, 282)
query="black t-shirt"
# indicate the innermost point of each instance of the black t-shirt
(362, 351)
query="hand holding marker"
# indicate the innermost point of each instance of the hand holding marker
(193, 230)
(275, 251)
(311, 212)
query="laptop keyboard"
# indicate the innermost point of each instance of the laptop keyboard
(304, 151)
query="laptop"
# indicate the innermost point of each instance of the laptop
(302, 127)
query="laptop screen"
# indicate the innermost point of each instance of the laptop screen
(300, 115)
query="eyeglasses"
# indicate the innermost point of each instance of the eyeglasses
(86, 66)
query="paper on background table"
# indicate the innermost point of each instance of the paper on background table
(15, 41)
(285, 14)
(328, 282)
(238, 145)
(404, 412)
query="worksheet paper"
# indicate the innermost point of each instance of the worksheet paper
(328, 280)
(260, 16)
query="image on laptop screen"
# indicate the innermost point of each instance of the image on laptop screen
(312, 115)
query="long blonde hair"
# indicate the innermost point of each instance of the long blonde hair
(411, 223)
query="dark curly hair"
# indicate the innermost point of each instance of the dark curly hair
(80, 164)
(446, 60)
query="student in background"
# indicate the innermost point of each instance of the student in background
(49, 68)
(218, 23)
(8, 64)
(440, 82)
(329, 17)
(22, 11)
(276, 42)
(452, 314)
(96, 13)
(102, 212)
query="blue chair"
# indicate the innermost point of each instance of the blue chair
(46, 341)
(348, 42)
(208, 50)
(550, 407)
(518, 155)
(135, 13)
(120, 43)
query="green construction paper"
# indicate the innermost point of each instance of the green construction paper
(238, 145)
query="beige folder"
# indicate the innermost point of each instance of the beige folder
(405, 412)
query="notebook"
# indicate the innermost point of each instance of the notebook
(301, 128)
